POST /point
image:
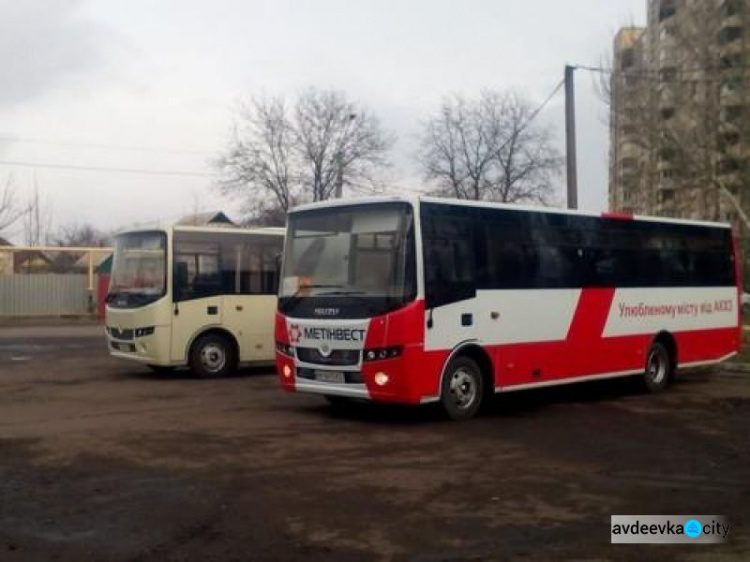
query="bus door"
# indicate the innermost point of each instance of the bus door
(450, 282)
(197, 290)
(249, 308)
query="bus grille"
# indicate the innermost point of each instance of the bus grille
(126, 334)
(336, 357)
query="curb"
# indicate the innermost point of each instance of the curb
(49, 321)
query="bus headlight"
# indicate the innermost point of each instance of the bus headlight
(378, 354)
(381, 379)
(141, 332)
(287, 370)
(285, 348)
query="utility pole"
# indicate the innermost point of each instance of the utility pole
(570, 138)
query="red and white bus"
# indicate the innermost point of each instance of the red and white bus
(413, 300)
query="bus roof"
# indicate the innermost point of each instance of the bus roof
(415, 199)
(261, 231)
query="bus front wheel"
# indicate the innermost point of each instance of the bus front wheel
(462, 388)
(212, 356)
(658, 367)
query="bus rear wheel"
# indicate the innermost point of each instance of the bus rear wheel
(212, 356)
(462, 389)
(658, 367)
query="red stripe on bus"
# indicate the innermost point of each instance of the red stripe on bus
(737, 280)
(411, 376)
(591, 314)
(584, 351)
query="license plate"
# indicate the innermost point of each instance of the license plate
(335, 377)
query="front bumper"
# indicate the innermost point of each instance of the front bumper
(152, 349)
(404, 381)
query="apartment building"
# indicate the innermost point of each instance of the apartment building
(680, 111)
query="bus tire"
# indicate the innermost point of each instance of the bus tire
(462, 388)
(161, 369)
(658, 371)
(212, 356)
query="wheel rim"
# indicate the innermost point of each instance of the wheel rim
(656, 367)
(213, 357)
(463, 389)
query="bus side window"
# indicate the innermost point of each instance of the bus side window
(207, 282)
(270, 270)
(509, 258)
(448, 260)
(200, 256)
(603, 267)
(258, 263)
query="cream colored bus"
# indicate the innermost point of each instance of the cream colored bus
(202, 297)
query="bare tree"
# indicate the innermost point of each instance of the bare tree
(260, 160)
(10, 211)
(266, 215)
(280, 156)
(37, 220)
(489, 149)
(75, 235)
(80, 235)
(341, 145)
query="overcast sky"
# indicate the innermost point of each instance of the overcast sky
(152, 85)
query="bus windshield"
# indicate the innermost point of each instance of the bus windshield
(138, 269)
(356, 260)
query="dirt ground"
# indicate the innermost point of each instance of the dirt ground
(102, 460)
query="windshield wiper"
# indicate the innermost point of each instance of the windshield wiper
(296, 297)
(315, 286)
(129, 298)
(346, 293)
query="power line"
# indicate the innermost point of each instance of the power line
(600, 69)
(178, 173)
(536, 112)
(105, 169)
(656, 75)
(609, 70)
(74, 144)
(533, 114)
